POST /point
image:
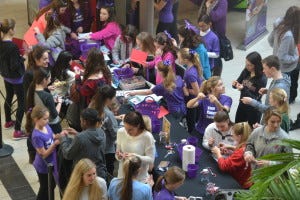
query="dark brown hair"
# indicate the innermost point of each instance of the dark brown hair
(173, 175)
(272, 61)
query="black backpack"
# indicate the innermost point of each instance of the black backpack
(225, 48)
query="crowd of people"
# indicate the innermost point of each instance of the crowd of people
(84, 154)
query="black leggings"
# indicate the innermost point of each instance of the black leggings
(43, 190)
(12, 89)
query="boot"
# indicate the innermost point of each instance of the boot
(296, 124)
(31, 155)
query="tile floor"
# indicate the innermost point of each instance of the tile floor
(17, 9)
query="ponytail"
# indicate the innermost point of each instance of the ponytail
(131, 168)
(196, 62)
(169, 76)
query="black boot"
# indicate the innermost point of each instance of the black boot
(31, 155)
(296, 124)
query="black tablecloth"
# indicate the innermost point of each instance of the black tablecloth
(191, 187)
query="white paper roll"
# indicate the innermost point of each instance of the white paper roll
(188, 156)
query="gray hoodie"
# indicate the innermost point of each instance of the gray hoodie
(285, 48)
(56, 41)
(89, 143)
(283, 83)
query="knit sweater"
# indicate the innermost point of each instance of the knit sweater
(284, 47)
(142, 146)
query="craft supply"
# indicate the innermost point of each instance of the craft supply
(188, 156)
(183, 141)
(192, 170)
(204, 175)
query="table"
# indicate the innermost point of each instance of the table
(191, 187)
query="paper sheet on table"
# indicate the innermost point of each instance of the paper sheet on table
(83, 36)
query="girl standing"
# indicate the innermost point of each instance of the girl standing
(85, 184)
(54, 35)
(170, 89)
(96, 74)
(250, 81)
(128, 187)
(189, 38)
(166, 185)
(38, 96)
(235, 164)
(165, 50)
(211, 41)
(166, 17)
(102, 100)
(278, 99)
(45, 144)
(12, 70)
(109, 30)
(192, 81)
(210, 100)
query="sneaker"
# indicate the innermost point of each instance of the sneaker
(9, 125)
(18, 135)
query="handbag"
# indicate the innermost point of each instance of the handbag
(150, 108)
(225, 48)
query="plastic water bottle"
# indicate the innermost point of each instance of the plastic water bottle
(204, 175)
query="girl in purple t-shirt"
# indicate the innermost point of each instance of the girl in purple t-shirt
(210, 100)
(168, 183)
(192, 81)
(45, 144)
(171, 89)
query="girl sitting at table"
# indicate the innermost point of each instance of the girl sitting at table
(95, 74)
(170, 89)
(219, 133)
(193, 78)
(134, 140)
(128, 187)
(124, 44)
(235, 164)
(109, 30)
(165, 50)
(166, 185)
(210, 100)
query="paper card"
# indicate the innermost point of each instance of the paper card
(162, 112)
(138, 56)
(83, 36)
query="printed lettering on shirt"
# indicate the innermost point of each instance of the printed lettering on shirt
(49, 142)
(210, 113)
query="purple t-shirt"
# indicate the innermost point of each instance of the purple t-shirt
(43, 140)
(208, 111)
(191, 76)
(165, 14)
(77, 19)
(212, 44)
(175, 100)
(164, 194)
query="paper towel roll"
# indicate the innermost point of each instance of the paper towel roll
(188, 156)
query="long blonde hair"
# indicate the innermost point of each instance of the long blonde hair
(208, 85)
(244, 130)
(279, 95)
(76, 184)
(168, 75)
(193, 57)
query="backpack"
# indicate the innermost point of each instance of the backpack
(225, 48)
